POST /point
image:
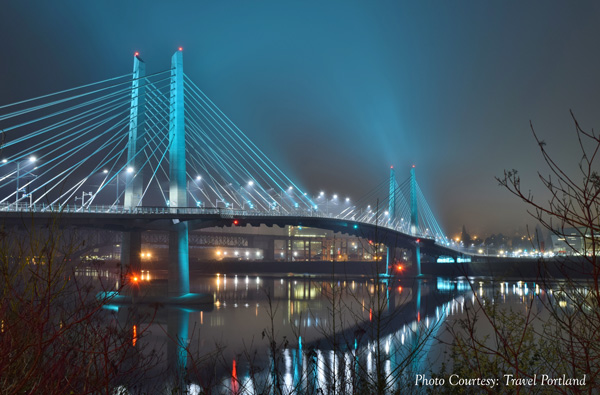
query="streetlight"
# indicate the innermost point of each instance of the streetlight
(195, 182)
(32, 159)
(105, 171)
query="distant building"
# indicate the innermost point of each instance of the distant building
(572, 241)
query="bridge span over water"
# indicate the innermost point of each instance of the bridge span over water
(144, 151)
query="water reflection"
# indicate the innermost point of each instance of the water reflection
(309, 335)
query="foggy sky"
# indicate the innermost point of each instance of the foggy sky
(337, 91)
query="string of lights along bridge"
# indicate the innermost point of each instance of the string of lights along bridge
(144, 144)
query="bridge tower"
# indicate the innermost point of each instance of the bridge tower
(392, 198)
(131, 246)
(414, 213)
(391, 214)
(179, 278)
(137, 118)
(414, 217)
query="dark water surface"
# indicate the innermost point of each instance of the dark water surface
(306, 334)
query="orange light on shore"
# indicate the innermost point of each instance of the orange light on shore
(399, 267)
(134, 341)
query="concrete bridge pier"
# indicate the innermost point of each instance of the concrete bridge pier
(266, 244)
(131, 252)
(179, 263)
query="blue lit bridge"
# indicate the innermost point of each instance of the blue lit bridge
(151, 151)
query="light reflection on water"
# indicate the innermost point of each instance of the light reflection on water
(309, 334)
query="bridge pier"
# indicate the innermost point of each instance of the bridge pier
(266, 244)
(131, 252)
(179, 263)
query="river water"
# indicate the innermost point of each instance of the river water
(307, 334)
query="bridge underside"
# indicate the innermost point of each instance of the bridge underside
(171, 222)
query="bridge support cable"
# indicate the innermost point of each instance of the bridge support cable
(70, 135)
(97, 168)
(164, 145)
(92, 104)
(54, 146)
(228, 161)
(431, 226)
(230, 166)
(126, 80)
(232, 133)
(53, 163)
(232, 159)
(111, 163)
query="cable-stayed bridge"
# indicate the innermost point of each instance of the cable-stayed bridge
(152, 151)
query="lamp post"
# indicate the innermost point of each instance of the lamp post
(32, 159)
(117, 174)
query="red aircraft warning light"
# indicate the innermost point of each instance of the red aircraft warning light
(136, 54)
(236, 222)
(181, 48)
